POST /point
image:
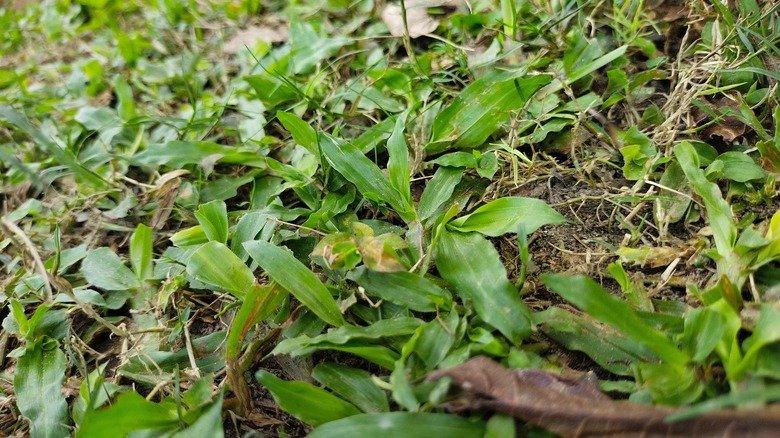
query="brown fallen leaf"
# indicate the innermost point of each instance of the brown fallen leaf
(166, 190)
(729, 128)
(574, 408)
(250, 36)
(417, 19)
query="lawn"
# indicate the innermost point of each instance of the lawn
(341, 218)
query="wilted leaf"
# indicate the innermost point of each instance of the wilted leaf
(418, 22)
(728, 127)
(577, 408)
(250, 36)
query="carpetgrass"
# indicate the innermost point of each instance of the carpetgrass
(272, 218)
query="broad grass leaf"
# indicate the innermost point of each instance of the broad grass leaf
(481, 107)
(670, 207)
(504, 215)
(404, 288)
(767, 331)
(588, 296)
(436, 338)
(365, 175)
(104, 269)
(438, 190)
(271, 91)
(259, 303)
(64, 156)
(605, 345)
(384, 328)
(177, 154)
(141, 252)
(402, 391)
(129, 413)
(398, 161)
(724, 232)
(208, 424)
(215, 264)
(374, 135)
(354, 385)
(212, 217)
(190, 236)
(738, 166)
(38, 379)
(399, 424)
(302, 133)
(288, 272)
(306, 402)
(124, 96)
(704, 328)
(670, 385)
(583, 71)
(471, 264)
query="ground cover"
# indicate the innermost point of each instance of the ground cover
(344, 218)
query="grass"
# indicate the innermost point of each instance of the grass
(230, 216)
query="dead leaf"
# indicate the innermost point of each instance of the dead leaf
(250, 36)
(166, 190)
(577, 408)
(728, 128)
(417, 19)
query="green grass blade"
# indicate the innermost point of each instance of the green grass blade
(404, 288)
(481, 107)
(724, 231)
(141, 252)
(365, 175)
(38, 380)
(302, 133)
(306, 402)
(504, 215)
(215, 264)
(65, 157)
(471, 264)
(292, 275)
(212, 216)
(398, 161)
(400, 424)
(438, 190)
(129, 413)
(104, 269)
(208, 424)
(588, 296)
(355, 385)
(585, 70)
